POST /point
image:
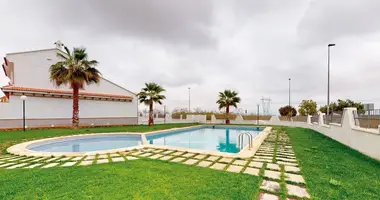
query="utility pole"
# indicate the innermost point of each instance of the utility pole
(328, 81)
(258, 113)
(164, 114)
(289, 90)
(189, 100)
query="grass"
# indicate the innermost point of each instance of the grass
(333, 170)
(9, 138)
(138, 179)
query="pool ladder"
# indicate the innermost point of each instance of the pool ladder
(241, 140)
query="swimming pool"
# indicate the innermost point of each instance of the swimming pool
(87, 143)
(222, 139)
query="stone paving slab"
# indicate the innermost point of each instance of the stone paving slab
(272, 174)
(136, 153)
(266, 196)
(292, 169)
(234, 168)
(33, 165)
(167, 152)
(86, 162)
(50, 165)
(166, 157)
(39, 159)
(252, 171)
(102, 156)
(294, 178)
(51, 159)
(7, 164)
(188, 155)
(261, 160)
(17, 166)
(273, 166)
(287, 163)
(64, 159)
(256, 164)
(178, 153)
(200, 156)
(146, 154)
(68, 164)
(101, 161)
(218, 166)
(226, 160)
(297, 191)
(77, 158)
(131, 158)
(213, 158)
(271, 186)
(204, 163)
(240, 162)
(117, 159)
(156, 156)
(90, 158)
(286, 159)
(178, 159)
(190, 162)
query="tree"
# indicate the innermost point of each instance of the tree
(288, 111)
(226, 99)
(149, 95)
(307, 107)
(74, 70)
(341, 104)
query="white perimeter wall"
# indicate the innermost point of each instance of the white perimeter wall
(37, 107)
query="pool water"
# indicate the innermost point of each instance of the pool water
(219, 138)
(88, 143)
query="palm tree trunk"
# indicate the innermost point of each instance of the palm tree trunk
(150, 122)
(75, 107)
(228, 116)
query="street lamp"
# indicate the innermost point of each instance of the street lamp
(328, 79)
(189, 99)
(289, 90)
(23, 98)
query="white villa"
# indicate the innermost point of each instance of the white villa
(105, 103)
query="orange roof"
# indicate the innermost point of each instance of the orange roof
(26, 89)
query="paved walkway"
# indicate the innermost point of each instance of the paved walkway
(275, 162)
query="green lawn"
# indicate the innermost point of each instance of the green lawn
(9, 138)
(138, 179)
(332, 170)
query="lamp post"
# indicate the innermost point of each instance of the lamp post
(328, 80)
(189, 99)
(23, 98)
(289, 90)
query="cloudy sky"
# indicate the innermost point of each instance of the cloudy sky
(209, 45)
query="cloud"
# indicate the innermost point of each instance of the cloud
(325, 21)
(251, 46)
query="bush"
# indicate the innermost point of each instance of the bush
(288, 111)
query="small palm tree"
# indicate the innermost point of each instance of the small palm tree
(226, 99)
(74, 70)
(151, 94)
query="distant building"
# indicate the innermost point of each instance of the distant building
(105, 103)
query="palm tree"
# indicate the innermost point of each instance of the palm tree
(74, 70)
(226, 99)
(151, 94)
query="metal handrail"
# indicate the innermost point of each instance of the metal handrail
(241, 140)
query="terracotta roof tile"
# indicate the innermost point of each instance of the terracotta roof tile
(81, 93)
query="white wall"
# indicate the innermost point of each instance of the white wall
(39, 107)
(366, 141)
(32, 70)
